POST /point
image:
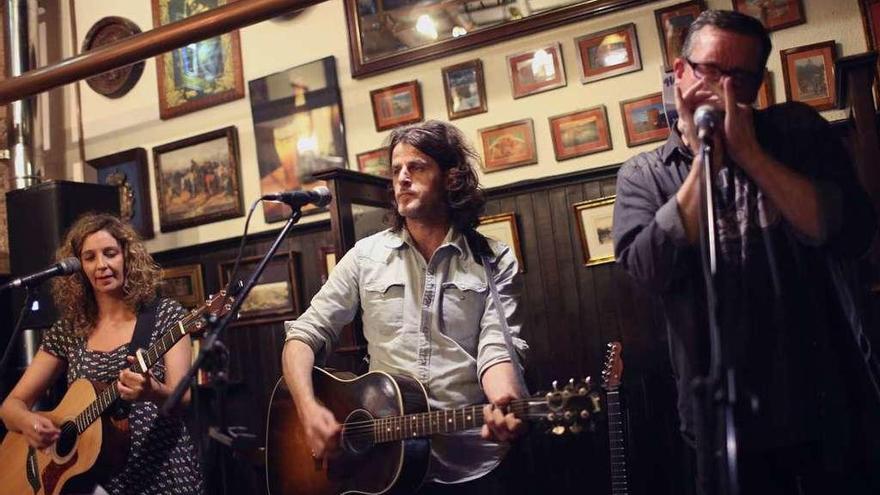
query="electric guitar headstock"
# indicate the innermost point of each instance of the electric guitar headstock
(613, 369)
(567, 409)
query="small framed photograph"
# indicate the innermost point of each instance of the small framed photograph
(198, 180)
(183, 284)
(608, 53)
(580, 133)
(672, 26)
(870, 10)
(127, 170)
(536, 71)
(808, 72)
(594, 219)
(328, 262)
(376, 162)
(397, 105)
(644, 120)
(465, 89)
(503, 228)
(508, 145)
(775, 14)
(276, 295)
(765, 92)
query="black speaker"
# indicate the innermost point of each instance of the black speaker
(38, 217)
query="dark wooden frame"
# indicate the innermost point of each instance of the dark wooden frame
(414, 89)
(532, 24)
(194, 272)
(737, 6)
(831, 47)
(477, 66)
(168, 112)
(369, 154)
(231, 135)
(511, 221)
(518, 91)
(129, 74)
(604, 133)
(290, 259)
(658, 16)
(532, 159)
(765, 91)
(632, 140)
(872, 37)
(634, 65)
(588, 259)
(143, 213)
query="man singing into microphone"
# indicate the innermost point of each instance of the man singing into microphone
(787, 206)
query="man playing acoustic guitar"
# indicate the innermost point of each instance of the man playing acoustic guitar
(427, 312)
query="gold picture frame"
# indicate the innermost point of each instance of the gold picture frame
(184, 284)
(594, 218)
(503, 227)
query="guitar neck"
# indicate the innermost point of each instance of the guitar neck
(617, 442)
(395, 428)
(150, 357)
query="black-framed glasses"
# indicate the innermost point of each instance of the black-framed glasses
(741, 78)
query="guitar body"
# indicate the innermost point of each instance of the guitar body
(25, 470)
(363, 467)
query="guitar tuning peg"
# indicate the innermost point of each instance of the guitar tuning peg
(555, 386)
(558, 430)
(571, 381)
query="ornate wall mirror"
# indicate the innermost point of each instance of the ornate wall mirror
(389, 34)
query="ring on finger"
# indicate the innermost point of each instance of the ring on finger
(35, 427)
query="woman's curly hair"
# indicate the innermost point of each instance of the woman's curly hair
(74, 296)
(448, 147)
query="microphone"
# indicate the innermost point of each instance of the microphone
(63, 267)
(707, 118)
(319, 196)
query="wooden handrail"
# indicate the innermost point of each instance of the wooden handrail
(148, 44)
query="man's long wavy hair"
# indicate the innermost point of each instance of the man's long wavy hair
(449, 148)
(74, 296)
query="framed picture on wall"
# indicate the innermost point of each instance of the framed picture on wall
(644, 120)
(580, 133)
(184, 285)
(536, 71)
(465, 89)
(397, 105)
(503, 228)
(376, 162)
(198, 180)
(608, 53)
(765, 92)
(808, 72)
(328, 261)
(127, 170)
(775, 14)
(508, 145)
(672, 26)
(276, 295)
(594, 219)
(870, 10)
(201, 74)
(299, 130)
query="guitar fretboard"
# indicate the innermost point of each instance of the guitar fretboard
(151, 356)
(616, 439)
(396, 428)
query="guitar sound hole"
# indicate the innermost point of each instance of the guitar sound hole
(66, 440)
(357, 432)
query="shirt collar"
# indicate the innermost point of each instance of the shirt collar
(674, 146)
(453, 238)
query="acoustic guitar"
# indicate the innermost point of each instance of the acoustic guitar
(617, 441)
(93, 443)
(385, 428)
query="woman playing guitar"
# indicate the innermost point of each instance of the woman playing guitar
(101, 306)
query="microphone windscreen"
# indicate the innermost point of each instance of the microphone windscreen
(70, 265)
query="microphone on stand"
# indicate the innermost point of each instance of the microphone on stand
(319, 196)
(707, 119)
(63, 267)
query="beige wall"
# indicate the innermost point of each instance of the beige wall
(114, 125)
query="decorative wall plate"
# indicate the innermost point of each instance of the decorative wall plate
(117, 82)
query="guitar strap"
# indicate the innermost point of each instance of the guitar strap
(482, 252)
(143, 328)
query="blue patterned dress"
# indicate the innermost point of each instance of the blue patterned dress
(162, 459)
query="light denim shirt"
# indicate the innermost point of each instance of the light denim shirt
(433, 321)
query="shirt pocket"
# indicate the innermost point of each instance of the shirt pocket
(383, 304)
(462, 304)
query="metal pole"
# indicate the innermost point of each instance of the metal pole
(21, 34)
(127, 51)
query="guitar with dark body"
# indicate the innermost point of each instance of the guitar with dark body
(611, 376)
(386, 425)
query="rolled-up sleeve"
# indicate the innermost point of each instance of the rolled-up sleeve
(649, 236)
(334, 306)
(492, 348)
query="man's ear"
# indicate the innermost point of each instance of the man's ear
(678, 66)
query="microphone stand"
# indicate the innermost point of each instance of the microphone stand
(7, 353)
(718, 389)
(212, 352)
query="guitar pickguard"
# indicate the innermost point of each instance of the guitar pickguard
(53, 472)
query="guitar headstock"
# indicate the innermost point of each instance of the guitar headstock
(215, 307)
(613, 369)
(569, 409)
